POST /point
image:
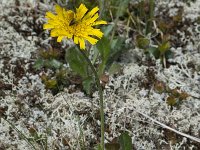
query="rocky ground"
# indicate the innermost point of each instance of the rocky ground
(133, 102)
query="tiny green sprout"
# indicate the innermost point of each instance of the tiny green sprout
(164, 47)
(142, 42)
(49, 83)
(176, 97)
(171, 100)
(159, 87)
(183, 95)
(48, 59)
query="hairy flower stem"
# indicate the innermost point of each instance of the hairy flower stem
(100, 96)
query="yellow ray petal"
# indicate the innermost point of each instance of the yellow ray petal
(91, 40)
(53, 22)
(75, 40)
(91, 13)
(80, 12)
(59, 39)
(54, 32)
(93, 19)
(58, 9)
(48, 26)
(82, 43)
(97, 33)
(67, 34)
(99, 22)
(49, 15)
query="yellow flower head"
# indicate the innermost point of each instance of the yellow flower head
(77, 25)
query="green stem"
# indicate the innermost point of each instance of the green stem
(151, 15)
(100, 96)
(101, 3)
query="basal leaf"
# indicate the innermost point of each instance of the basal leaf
(54, 63)
(38, 64)
(118, 47)
(122, 6)
(103, 47)
(77, 62)
(87, 84)
(125, 141)
(154, 51)
(107, 29)
(114, 68)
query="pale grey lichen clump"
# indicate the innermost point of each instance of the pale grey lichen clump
(74, 117)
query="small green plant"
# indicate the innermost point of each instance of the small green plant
(51, 59)
(80, 66)
(48, 59)
(174, 96)
(147, 36)
(109, 50)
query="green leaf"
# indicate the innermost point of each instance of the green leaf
(95, 54)
(164, 47)
(107, 29)
(54, 63)
(118, 47)
(150, 17)
(77, 62)
(114, 68)
(99, 147)
(169, 54)
(125, 141)
(122, 6)
(103, 47)
(87, 84)
(154, 51)
(114, 43)
(38, 64)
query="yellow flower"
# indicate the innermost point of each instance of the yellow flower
(74, 25)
